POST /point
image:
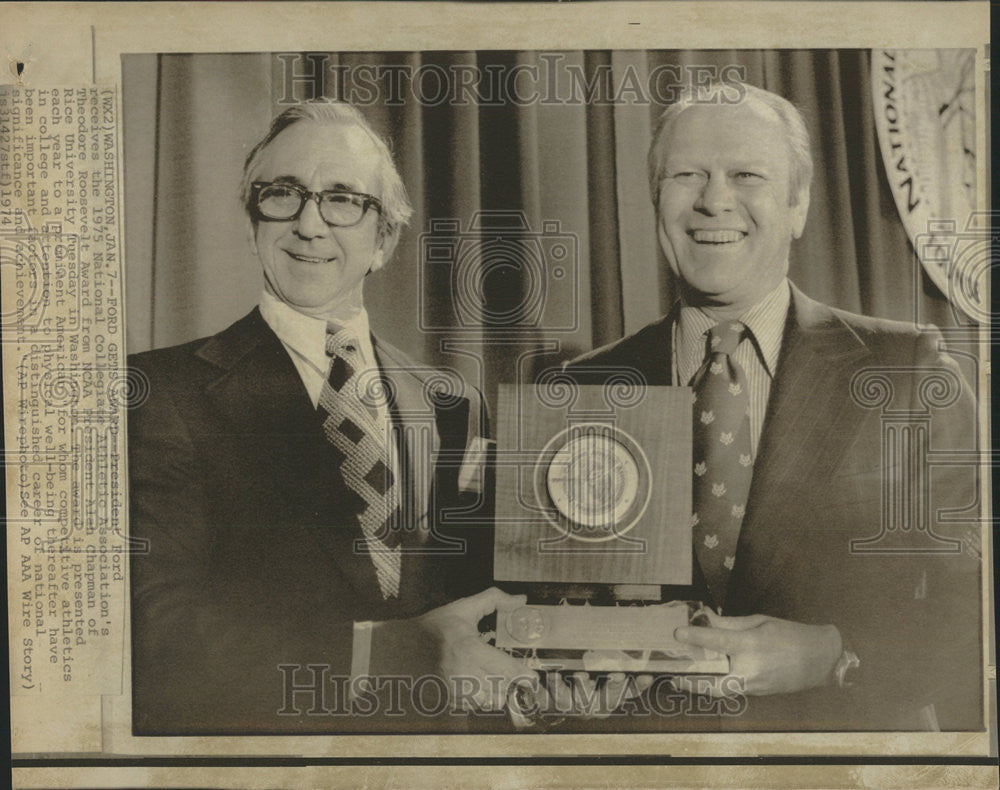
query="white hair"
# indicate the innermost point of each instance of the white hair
(794, 125)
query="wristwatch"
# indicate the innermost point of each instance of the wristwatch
(845, 671)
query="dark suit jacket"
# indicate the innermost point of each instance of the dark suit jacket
(913, 618)
(250, 561)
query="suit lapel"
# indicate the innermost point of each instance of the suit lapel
(260, 394)
(647, 352)
(653, 355)
(806, 412)
(435, 422)
(415, 424)
(422, 421)
(258, 387)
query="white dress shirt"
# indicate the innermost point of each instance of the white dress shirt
(304, 338)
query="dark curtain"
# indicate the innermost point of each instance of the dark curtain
(570, 176)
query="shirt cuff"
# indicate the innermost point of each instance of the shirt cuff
(361, 655)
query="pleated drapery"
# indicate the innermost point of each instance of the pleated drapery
(574, 171)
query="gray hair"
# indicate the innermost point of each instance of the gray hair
(396, 208)
(796, 132)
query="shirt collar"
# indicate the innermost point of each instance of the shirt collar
(306, 336)
(765, 322)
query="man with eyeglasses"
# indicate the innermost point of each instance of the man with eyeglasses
(279, 477)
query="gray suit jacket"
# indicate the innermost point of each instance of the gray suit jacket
(812, 547)
(251, 559)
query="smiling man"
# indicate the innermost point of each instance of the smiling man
(727, 204)
(282, 477)
(790, 470)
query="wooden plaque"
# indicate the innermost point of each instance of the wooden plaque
(606, 638)
(594, 485)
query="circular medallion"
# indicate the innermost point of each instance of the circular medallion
(526, 624)
(593, 480)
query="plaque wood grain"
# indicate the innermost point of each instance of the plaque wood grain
(652, 545)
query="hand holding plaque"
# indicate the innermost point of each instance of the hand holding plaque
(768, 655)
(594, 488)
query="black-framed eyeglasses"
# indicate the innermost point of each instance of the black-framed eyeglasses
(270, 202)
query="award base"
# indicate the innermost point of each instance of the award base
(635, 639)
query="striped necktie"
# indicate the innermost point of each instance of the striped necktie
(723, 465)
(353, 426)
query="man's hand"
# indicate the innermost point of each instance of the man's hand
(446, 642)
(767, 655)
(464, 653)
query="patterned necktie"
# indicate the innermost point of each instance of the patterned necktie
(352, 425)
(723, 464)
